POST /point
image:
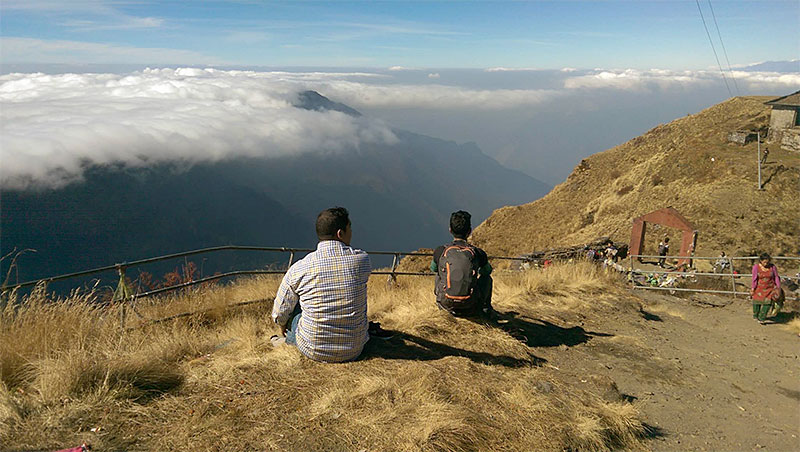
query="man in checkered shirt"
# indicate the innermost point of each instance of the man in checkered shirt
(321, 304)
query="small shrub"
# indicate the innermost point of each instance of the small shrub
(657, 180)
(625, 190)
(586, 219)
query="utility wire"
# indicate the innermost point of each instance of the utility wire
(713, 49)
(724, 51)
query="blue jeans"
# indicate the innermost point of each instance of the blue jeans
(291, 328)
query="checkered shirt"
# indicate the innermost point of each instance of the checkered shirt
(331, 286)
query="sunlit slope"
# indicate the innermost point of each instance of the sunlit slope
(687, 164)
(213, 381)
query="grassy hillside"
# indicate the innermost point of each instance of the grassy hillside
(687, 164)
(213, 382)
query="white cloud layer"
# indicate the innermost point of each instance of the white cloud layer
(432, 96)
(54, 125)
(637, 80)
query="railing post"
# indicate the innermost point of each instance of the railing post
(733, 278)
(291, 259)
(392, 281)
(122, 294)
(758, 159)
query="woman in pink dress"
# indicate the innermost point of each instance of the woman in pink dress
(765, 288)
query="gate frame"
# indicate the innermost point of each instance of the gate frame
(666, 217)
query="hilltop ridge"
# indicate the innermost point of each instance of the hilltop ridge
(687, 164)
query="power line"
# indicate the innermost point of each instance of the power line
(724, 51)
(721, 71)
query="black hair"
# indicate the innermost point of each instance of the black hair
(330, 221)
(666, 239)
(764, 256)
(460, 224)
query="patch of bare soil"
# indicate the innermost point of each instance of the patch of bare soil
(703, 373)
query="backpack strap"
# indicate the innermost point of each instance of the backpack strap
(459, 247)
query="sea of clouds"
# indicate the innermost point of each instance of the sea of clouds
(56, 125)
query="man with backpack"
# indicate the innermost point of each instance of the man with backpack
(463, 273)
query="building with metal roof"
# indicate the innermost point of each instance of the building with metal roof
(784, 122)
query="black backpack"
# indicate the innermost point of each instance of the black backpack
(457, 272)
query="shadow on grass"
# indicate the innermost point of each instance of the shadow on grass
(653, 432)
(784, 317)
(541, 333)
(411, 347)
(141, 383)
(776, 170)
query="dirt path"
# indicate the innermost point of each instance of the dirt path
(705, 375)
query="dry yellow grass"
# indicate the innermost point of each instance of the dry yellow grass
(670, 165)
(212, 381)
(793, 325)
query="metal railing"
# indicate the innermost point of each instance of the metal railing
(123, 293)
(122, 267)
(733, 276)
(733, 258)
(125, 296)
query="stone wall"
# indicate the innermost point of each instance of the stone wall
(790, 140)
(782, 117)
(781, 124)
(741, 137)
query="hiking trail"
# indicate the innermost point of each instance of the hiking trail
(704, 374)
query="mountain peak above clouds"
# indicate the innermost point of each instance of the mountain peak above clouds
(312, 100)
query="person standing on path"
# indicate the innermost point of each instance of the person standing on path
(765, 288)
(663, 249)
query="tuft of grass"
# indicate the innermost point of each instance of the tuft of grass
(793, 325)
(213, 381)
(625, 190)
(571, 286)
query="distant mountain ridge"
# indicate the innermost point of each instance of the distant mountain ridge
(400, 196)
(687, 164)
(774, 66)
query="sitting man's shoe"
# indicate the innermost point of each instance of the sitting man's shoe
(375, 331)
(276, 340)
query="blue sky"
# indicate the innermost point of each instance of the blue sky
(454, 34)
